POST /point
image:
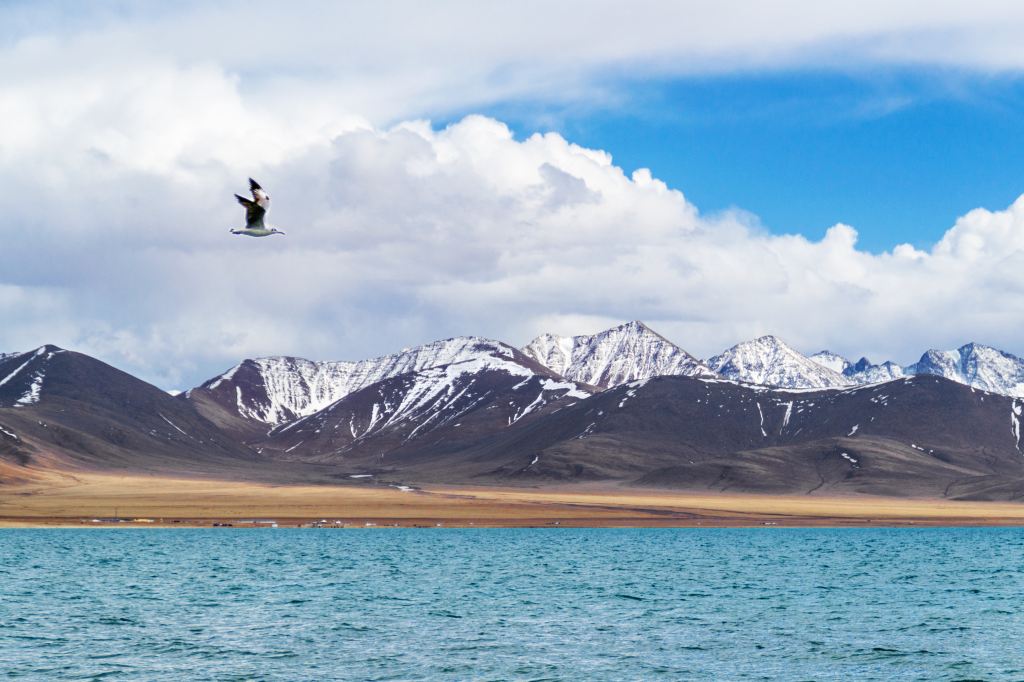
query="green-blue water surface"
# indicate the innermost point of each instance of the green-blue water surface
(517, 604)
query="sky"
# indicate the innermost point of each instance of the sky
(843, 177)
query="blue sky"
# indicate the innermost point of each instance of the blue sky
(845, 176)
(897, 153)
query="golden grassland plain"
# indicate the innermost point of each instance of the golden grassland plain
(65, 499)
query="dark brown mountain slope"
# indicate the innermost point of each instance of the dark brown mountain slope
(67, 410)
(916, 436)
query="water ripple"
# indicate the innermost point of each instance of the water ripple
(765, 604)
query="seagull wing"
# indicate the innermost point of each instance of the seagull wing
(261, 197)
(253, 212)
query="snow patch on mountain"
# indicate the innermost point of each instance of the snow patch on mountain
(230, 374)
(615, 356)
(28, 367)
(31, 355)
(31, 396)
(770, 362)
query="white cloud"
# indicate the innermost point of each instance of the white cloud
(388, 61)
(124, 136)
(402, 235)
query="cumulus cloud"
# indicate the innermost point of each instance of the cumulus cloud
(125, 135)
(402, 235)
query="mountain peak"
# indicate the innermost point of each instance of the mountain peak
(768, 360)
(769, 339)
(41, 350)
(861, 365)
(625, 353)
(636, 325)
(833, 361)
(975, 348)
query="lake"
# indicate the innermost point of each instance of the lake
(515, 604)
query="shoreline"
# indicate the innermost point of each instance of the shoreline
(8, 523)
(89, 500)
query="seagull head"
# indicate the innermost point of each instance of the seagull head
(274, 230)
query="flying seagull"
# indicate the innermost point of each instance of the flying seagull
(255, 209)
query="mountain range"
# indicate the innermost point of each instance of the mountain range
(625, 406)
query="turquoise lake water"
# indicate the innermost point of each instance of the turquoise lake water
(552, 604)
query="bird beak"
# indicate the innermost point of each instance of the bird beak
(279, 232)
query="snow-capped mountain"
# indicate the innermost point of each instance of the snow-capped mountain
(276, 390)
(769, 361)
(976, 365)
(459, 401)
(861, 372)
(615, 356)
(864, 372)
(832, 361)
(973, 364)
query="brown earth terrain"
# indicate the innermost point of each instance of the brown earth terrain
(88, 499)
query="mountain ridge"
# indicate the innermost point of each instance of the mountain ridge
(972, 364)
(316, 384)
(277, 389)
